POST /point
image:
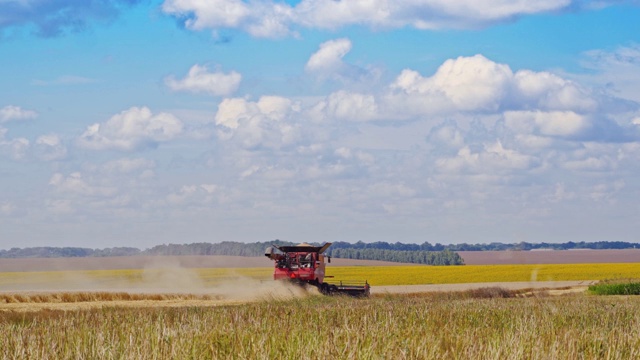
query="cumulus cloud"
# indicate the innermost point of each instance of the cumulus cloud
(11, 112)
(265, 123)
(193, 194)
(200, 80)
(128, 166)
(569, 125)
(493, 157)
(554, 123)
(349, 106)
(446, 136)
(75, 183)
(132, 129)
(52, 18)
(274, 19)
(45, 147)
(329, 56)
(477, 84)
(533, 106)
(16, 149)
(261, 19)
(50, 147)
(327, 63)
(466, 83)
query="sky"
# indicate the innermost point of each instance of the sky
(138, 122)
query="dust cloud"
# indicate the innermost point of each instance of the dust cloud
(162, 276)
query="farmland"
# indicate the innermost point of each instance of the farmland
(174, 309)
(188, 279)
(428, 326)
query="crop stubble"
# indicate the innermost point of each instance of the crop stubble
(428, 326)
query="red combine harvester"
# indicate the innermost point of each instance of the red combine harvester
(304, 264)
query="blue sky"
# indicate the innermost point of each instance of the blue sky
(136, 123)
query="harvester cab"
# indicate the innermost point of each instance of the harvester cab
(304, 264)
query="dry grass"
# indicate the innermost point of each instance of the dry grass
(101, 296)
(428, 326)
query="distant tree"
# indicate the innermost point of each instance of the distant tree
(424, 253)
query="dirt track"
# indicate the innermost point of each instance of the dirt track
(551, 288)
(407, 289)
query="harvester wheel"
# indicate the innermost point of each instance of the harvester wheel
(324, 289)
(333, 289)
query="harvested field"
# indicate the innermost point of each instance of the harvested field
(219, 261)
(550, 257)
(486, 324)
(82, 300)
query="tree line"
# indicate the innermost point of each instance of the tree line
(424, 253)
(445, 257)
(494, 246)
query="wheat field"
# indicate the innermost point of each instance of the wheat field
(429, 326)
(193, 323)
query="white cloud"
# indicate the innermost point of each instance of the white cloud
(477, 84)
(274, 19)
(358, 155)
(617, 70)
(446, 135)
(343, 105)
(16, 149)
(261, 19)
(76, 184)
(193, 194)
(265, 123)
(50, 147)
(200, 80)
(327, 63)
(45, 147)
(329, 57)
(469, 83)
(130, 130)
(554, 123)
(533, 105)
(543, 90)
(604, 163)
(570, 125)
(128, 166)
(493, 157)
(11, 112)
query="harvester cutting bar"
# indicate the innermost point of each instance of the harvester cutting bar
(353, 288)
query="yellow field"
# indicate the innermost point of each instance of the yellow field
(170, 278)
(417, 275)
